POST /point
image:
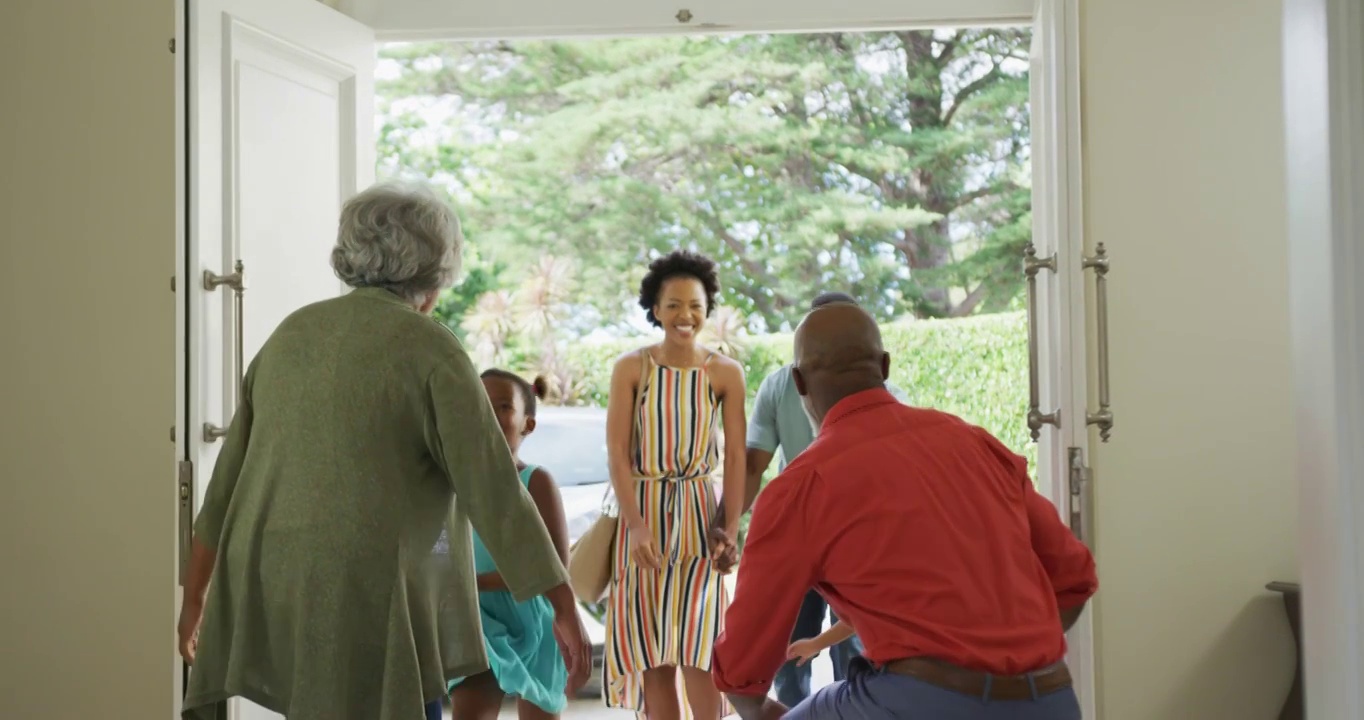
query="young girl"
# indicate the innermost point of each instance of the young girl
(802, 650)
(523, 654)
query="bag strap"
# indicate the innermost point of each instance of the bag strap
(640, 385)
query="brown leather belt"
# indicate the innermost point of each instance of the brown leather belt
(982, 685)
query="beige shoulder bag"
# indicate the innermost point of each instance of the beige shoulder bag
(591, 560)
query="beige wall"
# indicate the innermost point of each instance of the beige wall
(87, 248)
(1184, 181)
(1195, 498)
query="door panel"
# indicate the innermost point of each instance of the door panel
(288, 179)
(1062, 328)
(281, 131)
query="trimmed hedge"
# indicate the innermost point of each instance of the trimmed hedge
(974, 367)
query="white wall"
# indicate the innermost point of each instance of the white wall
(1195, 499)
(1195, 496)
(87, 248)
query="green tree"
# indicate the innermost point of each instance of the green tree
(891, 165)
(479, 277)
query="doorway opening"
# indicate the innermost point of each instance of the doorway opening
(891, 165)
(278, 129)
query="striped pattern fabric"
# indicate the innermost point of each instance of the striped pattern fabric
(671, 616)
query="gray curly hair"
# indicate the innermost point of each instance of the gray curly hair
(400, 237)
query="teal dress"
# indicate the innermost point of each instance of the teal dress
(519, 639)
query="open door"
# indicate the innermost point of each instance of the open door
(1055, 268)
(280, 131)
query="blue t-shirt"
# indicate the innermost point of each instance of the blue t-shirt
(779, 421)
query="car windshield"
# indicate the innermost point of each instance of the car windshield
(570, 443)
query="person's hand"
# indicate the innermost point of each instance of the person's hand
(724, 551)
(802, 650)
(571, 636)
(643, 549)
(191, 614)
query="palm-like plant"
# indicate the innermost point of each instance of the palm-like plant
(726, 331)
(540, 302)
(567, 384)
(489, 326)
(539, 306)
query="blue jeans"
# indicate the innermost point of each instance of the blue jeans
(793, 681)
(433, 710)
(869, 694)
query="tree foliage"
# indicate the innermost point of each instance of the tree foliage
(891, 165)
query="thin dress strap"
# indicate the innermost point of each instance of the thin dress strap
(636, 408)
(646, 359)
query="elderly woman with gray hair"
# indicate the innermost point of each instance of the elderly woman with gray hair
(363, 432)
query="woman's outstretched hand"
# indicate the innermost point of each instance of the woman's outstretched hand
(571, 635)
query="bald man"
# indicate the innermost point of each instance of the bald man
(779, 422)
(925, 534)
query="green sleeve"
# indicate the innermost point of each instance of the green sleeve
(464, 438)
(208, 526)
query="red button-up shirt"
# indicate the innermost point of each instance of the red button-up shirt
(922, 531)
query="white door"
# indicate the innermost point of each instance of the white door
(280, 132)
(1058, 365)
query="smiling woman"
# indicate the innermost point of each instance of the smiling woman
(663, 424)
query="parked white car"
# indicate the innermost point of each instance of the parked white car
(571, 444)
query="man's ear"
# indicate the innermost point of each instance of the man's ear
(800, 381)
(885, 366)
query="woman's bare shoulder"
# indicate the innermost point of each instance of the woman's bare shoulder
(630, 360)
(726, 367)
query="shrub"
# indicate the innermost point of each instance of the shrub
(972, 367)
(975, 368)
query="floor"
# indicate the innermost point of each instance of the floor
(592, 709)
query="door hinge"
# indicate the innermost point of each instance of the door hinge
(1079, 483)
(172, 46)
(184, 496)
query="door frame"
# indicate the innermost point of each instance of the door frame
(179, 283)
(1324, 123)
(1065, 368)
(1061, 198)
(1064, 373)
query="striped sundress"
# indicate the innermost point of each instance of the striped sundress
(671, 616)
